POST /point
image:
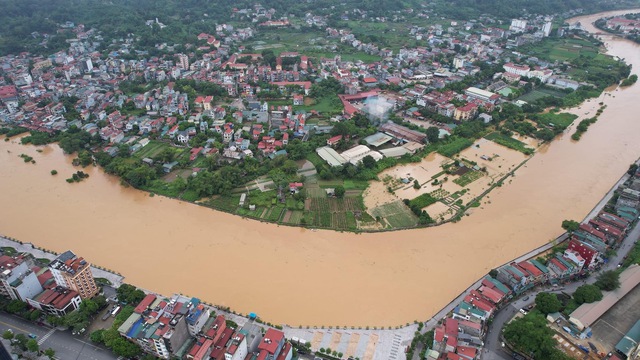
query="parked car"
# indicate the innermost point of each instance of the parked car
(524, 311)
(33, 336)
(526, 298)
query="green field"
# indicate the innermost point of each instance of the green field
(325, 105)
(468, 178)
(396, 214)
(561, 49)
(509, 142)
(152, 149)
(423, 201)
(559, 120)
(539, 94)
(454, 146)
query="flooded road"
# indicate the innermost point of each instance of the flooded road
(297, 276)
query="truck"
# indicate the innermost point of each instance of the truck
(115, 311)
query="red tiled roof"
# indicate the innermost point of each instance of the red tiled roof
(145, 303)
(271, 340)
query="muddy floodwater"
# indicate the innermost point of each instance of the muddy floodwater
(297, 276)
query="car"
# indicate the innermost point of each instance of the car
(526, 298)
(33, 336)
(530, 307)
(524, 311)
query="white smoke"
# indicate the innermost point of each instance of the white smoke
(377, 108)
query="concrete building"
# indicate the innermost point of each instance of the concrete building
(19, 282)
(58, 301)
(518, 25)
(74, 273)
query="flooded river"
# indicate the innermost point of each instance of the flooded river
(297, 276)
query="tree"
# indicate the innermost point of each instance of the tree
(632, 169)
(96, 336)
(530, 335)
(547, 303)
(587, 294)
(433, 134)
(416, 184)
(50, 353)
(32, 345)
(570, 225)
(289, 167)
(493, 273)
(369, 162)
(339, 191)
(608, 280)
(7, 335)
(16, 306)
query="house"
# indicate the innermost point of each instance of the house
(183, 137)
(298, 100)
(466, 112)
(168, 167)
(334, 140)
(294, 187)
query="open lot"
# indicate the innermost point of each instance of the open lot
(562, 49)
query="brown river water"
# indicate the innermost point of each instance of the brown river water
(299, 276)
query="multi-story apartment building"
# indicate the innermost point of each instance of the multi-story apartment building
(74, 273)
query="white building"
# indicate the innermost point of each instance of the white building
(546, 28)
(518, 25)
(575, 257)
(18, 281)
(522, 70)
(458, 62)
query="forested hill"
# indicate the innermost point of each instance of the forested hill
(187, 18)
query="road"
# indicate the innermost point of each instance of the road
(67, 346)
(492, 347)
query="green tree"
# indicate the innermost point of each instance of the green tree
(50, 353)
(339, 191)
(433, 134)
(547, 303)
(369, 162)
(7, 335)
(16, 307)
(493, 273)
(570, 225)
(35, 315)
(32, 345)
(96, 336)
(530, 335)
(608, 280)
(587, 294)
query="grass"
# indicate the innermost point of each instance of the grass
(9, 251)
(396, 214)
(509, 142)
(562, 49)
(162, 187)
(468, 178)
(355, 184)
(423, 201)
(539, 94)
(454, 146)
(316, 160)
(329, 104)
(559, 120)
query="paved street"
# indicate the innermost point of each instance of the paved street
(67, 346)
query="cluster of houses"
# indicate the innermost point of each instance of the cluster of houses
(623, 25)
(185, 328)
(57, 289)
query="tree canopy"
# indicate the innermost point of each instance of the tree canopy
(531, 336)
(608, 280)
(587, 294)
(547, 303)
